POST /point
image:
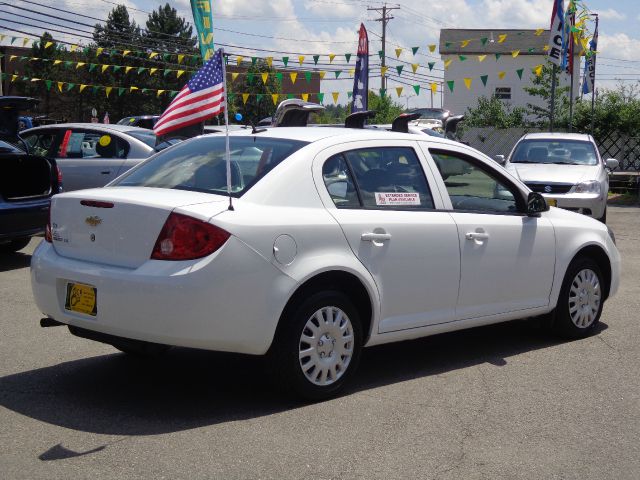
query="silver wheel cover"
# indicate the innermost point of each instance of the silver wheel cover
(326, 346)
(584, 298)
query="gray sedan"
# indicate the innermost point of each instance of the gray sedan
(91, 154)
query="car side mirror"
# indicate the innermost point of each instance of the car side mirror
(500, 159)
(612, 163)
(536, 204)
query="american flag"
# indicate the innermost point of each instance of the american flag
(201, 98)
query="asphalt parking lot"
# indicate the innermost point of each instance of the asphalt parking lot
(499, 402)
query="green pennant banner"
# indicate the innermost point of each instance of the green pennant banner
(23, 59)
(462, 58)
(416, 88)
(431, 65)
(253, 61)
(116, 68)
(383, 92)
(285, 60)
(231, 97)
(415, 49)
(259, 97)
(348, 57)
(484, 40)
(144, 90)
(519, 72)
(67, 64)
(451, 84)
(70, 86)
(121, 91)
(447, 44)
(315, 59)
(13, 39)
(173, 93)
(399, 69)
(307, 76)
(48, 84)
(320, 97)
(94, 90)
(290, 96)
(498, 55)
(349, 94)
(484, 79)
(380, 54)
(279, 76)
(92, 67)
(250, 77)
(337, 73)
(167, 71)
(141, 69)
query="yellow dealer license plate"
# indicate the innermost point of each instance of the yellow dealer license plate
(552, 202)
(81, 298)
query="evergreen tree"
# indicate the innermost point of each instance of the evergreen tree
(119, 31)
(169, 32)
(43, 69)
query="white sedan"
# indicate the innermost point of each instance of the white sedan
(333, 239)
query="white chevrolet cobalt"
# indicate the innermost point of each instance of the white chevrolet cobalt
(337, 239)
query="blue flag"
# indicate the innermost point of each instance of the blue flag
(590, 65)
(360, 97)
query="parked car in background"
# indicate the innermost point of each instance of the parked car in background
(27, 180)
(142, 121)
(91, 154)
(338, 238)
(566, 168)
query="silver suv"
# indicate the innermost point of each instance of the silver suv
(566, 168)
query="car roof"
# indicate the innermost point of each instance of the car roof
(315, 134)
(557, 136)
(92, 126)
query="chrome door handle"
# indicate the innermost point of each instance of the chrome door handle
(375, 237)
(476, 236)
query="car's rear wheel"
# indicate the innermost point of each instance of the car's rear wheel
(581, 299)
(15, 245)
(318, 347)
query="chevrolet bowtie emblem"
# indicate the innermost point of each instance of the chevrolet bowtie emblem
(93, 220)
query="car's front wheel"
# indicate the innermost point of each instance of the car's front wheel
(318, 346)
(581, 299)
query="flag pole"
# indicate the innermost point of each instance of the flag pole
(593, 86)
(227, 153)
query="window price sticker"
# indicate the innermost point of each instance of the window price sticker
(385, 198)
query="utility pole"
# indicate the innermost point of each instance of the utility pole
(384, 11)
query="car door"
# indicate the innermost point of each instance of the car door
(507, 257)
(90, 158)
(381, 198)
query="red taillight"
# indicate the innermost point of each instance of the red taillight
(186, 238)
(59, 172)
(47, 229)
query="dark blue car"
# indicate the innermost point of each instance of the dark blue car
(27, 181)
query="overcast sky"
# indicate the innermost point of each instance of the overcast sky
(293, 27)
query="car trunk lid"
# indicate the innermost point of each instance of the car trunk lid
(119, 225)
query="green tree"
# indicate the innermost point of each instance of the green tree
(493, 112)
(119, 31)
(541, 88)
(615, 111)
(259, 103)
(169, 32)
(386, 109)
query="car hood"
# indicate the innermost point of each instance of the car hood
(552, 173)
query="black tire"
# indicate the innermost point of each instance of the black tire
(285, 359)
(15, 245)
(568, 324)
(141, 349)
(603, 218)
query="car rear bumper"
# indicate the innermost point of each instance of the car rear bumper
(229, 301)
(592, 205)
(23, 219)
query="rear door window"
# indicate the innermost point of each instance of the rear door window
(378, 178)
(92, 144)
(41, 143)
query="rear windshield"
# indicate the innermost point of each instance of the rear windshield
(147, 137)
(562, 152)
(199, 164)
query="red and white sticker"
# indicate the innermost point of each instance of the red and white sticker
(385, 198)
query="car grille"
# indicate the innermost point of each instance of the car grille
(550, 187)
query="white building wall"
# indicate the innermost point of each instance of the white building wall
(462, 98)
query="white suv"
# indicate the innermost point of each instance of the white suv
(566, 168)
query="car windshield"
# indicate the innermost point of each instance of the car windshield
(199, 164)
(562, 152)
(147, 137)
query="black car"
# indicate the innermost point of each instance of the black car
(142, 121)
(27, 181)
